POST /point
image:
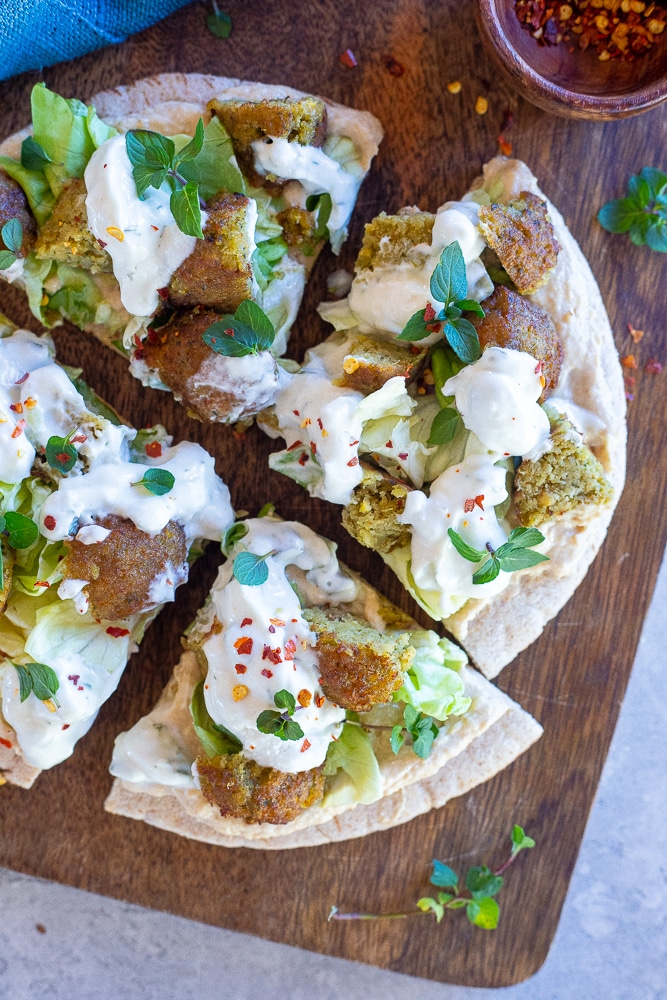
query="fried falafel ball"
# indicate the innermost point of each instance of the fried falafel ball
(129, 571)
(218, 272)
(243, 789)
(371, 515)
(66, 237)
(370, 363)
(512, 321)
(394, 239)
(564, 477)
(14, 205)
(210, 385)
(298, 226)
(523, 237)
(359, 666)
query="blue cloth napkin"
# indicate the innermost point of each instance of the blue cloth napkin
(37, 33)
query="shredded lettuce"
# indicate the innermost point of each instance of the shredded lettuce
(35, 186)
(338, 314)
(60, 631)
(433, 684)
(353, 769)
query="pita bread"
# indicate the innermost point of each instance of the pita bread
(469, 749)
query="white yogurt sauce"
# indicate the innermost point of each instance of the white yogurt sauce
(315, 171)
(20, 354)
(436, 565)
(385, 298)
(152, 245)
(265, 646)
(497, 398)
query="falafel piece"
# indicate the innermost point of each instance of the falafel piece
(393, 239)
(512, 321)
(7, 572)
(65, 235)
(565, 477)
(14, 205)
(371, 515)
(241, 788)
(218, 272)
(370, 363)
(359, 666)
(130, 570)
(302, 120)
(522, 235)
(210, 385)
(298, 225)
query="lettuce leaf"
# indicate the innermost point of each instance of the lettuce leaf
(433, 684)
(35, 186)
(60, 631)
(215, 168)
(353, 768)
(214, 738)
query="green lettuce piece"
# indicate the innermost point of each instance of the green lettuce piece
(60, 631)
(55, 290)
(214, 738)
(35, 186)
(147, 436)
(353, 769)
(266, 227)
(307, 475)
(433, 684)
(338, 314)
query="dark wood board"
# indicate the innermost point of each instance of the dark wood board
(573, 679)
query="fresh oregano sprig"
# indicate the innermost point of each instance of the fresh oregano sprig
(512, 555)
(642, 213)
(157, 481)
(61, 453)
(449, 285)
(39, 679)
(281, 724)
(248, 331)
(422, 728)
(21, 532)
(219, 23)
(477, 898)
(12, 237)
(251, 570)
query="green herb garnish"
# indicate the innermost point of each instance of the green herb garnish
(21, 533)
(233, 535)
(320, 203)
(157, 481)
(251, 570)
(422, 728)
(512, 555)
(248, 331)
(61, 453)
(643, 213)
(12, 237)
(449, 285)
(33, 155)
(280, 724)
(38, 679)
(219, 24)
(481, 885)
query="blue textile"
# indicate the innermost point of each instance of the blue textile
(37, 33)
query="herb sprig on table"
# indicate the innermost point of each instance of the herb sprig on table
(642, 213)
(476, 897)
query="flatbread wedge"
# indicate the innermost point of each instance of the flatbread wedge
(498, 415)
(98, 526)
(211, 211)
(360, 774)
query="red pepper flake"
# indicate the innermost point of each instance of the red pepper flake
(296, 413)
(243, 646)
(347, 59)
(16, 407)
(63, 457)
(303, 459)
(246, 621)
(42, 583)
(23, 378)
(137, 340)
(469, 506)
(388, 444)
(66, 725)
(153, 449)
(49, 522)
(163, 293)
(101, 242)
(272, 655)
(403, 455)
(267, 673)
(319, 700)
(353, 461)
(155, 229)
(117, 632)
(272, 629)
(5, 743)
(74, 678)
(313, 447)
(653, 366)
(240, 668)
(277, 621)
(629, 361)
(353, 443)
(305, 746)
(429, 313)
(504, 146)
(297, 444)
(20, 427)
(635, 334)
(290, 649)
(394, 66)
(79, 439)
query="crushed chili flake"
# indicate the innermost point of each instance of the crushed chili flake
(635, 334)
(403, 455)
(429, 313)
(153, 449)
(313, 447)
(303, 459)
(653, 366)
(101, 243)
(23, 378)
(74, 678)
(394, 66)
(243, 646)
(50, 522)
(240, 668)
(5, 743)
(272, 629)
(347, 59)
(163, 292)
(353, 461)
(117, 632)
(297, 444)
(16, 407)
(246, 621)
(277, 621)
(290, 649)
(305, 746)
(267, 673)
(41, 583)
(319, 700)
(388, 444)
(504, 146)
(272, 655)
(66, 725)
(20, 427)
(629, 361)
(79, 439)
(538, 367)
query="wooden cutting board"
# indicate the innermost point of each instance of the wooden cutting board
(572, 679)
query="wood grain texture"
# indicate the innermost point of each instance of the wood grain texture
(573, 679)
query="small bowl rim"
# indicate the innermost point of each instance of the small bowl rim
(573, 101)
